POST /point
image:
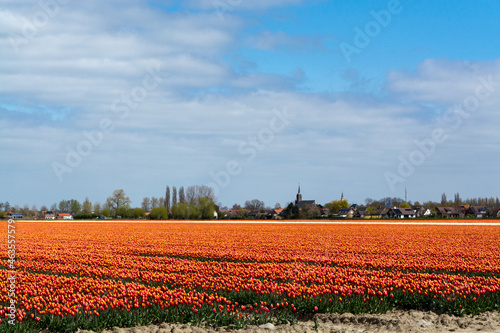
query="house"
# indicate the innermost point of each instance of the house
(421, 211)
(14, 216)
(447, 212)
(384, 213)
(462, 210)
(64, 216)
(477, 211)
(49, 215)
(278, 213)
(405, 213)
(253, 214)
(424, 212)
(360, 212)
(399, 213)
(346, 212)
(495, 213)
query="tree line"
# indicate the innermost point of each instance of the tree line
(199, 202)
(194, 202)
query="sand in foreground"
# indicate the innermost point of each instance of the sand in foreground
(397, 321)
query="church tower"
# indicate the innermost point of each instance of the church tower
(299, 197)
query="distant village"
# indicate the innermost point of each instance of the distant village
(197, 203)
(382, 210)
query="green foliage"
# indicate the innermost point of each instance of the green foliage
(185, 211)
(336, 205)
(259, 309)
(371, 210)
(138, 213)
(206, 208)
(199, 208)
(159, 213)
(117, 200)
(309, 212)
(106, 212)
(123, 211)
(291, 212)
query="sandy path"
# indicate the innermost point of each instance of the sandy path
(397, 321)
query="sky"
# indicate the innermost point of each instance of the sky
(249, 97)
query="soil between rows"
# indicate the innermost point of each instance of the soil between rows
(396, 321)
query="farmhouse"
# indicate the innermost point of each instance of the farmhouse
(447, 212)
(346, 212)
(64, 216)
(477, 211)
(49, 215)
(400, 213)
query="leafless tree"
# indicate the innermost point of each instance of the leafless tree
(146, 204)
(182, 195)
(167, 198)
(174, 196)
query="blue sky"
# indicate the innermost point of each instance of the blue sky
(249, 97)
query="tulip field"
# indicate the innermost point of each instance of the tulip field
(95, 275)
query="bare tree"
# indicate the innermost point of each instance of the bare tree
(87, 206)
(443, 199)
(118, 199)
(154, 202)
(167, 198)
(174, 196)
(182, 195)
(146, 204)
(97, 208)
(34, 210)
(194, 193)
(254, 204)
(191, 194)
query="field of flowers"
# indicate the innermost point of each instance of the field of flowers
(95, 275)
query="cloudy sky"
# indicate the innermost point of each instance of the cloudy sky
(249, 97)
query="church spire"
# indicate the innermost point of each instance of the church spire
(299, 196)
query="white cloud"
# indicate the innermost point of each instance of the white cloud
(193, 122)
(268, 40)
(241, 4)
